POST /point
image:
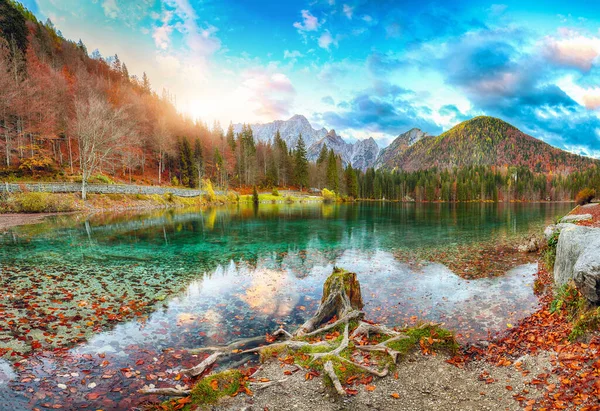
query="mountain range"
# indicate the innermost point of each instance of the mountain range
(482, 140)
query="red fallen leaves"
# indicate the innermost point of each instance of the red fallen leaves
(576, 365)
(310, 375)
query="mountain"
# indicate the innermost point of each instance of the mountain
(334, 142)
(365, 154)
(361, 154)
(481, 141)
(289, 130)
(388, 156)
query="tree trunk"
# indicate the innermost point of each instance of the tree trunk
(83, 189)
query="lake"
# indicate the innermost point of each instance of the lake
(92, 308)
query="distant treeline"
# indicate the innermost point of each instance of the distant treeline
(476, 183)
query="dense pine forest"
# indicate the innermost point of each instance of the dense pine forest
(68, 114)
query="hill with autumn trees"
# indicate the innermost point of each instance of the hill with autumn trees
(70, 115)
(485, 141)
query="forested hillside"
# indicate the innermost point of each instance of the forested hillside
(67, 114)
(486, 141)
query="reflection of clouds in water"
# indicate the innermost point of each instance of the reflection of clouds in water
(271, 293)
(394, 291)
(6, 372)
(242, 299)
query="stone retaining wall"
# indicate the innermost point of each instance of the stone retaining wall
(98, 189)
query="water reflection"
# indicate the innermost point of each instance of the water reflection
(130, 286)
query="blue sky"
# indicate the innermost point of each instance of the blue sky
(365, 68)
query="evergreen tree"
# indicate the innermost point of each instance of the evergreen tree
(301, 163)
(82, 47)
(351, 182)
(198, 159)
(333, 181)
(230, 137)
(188, 176)
(322, 155)
(146, 83)
(125, 72)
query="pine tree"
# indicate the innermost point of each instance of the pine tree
(351, 182)
(125, 72)
(146, 83)
(301, 163)
(198, 159)
(333, 181)
(322, 155)
(230, 137)
(82, 47)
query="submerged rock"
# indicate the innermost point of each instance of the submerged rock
(576, 217)
(531, 246)
(578, 259)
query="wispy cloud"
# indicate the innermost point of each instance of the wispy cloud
(348, 10)
(111, 9)
(326, 40)
(308, 23)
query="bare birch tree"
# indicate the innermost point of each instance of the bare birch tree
(101, 131)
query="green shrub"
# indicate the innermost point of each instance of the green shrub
(275, 192)
(101, 178)
(585, 196)
(175, 181)
(255, 198)
(328, 195)
(550, 253)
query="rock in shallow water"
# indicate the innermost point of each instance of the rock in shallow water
(578, 259)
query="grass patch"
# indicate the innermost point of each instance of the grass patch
(550, 253)
(214, 387)
(569, 301)
(33, 202)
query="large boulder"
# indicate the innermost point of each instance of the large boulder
(555, 228)
(573, 218)
(586, 272)
(578, 259)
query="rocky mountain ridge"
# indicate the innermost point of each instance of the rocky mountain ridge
(480, 141)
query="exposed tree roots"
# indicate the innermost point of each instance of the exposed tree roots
(341, 306)
(328, 367)
(169, 392)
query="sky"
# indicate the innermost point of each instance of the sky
(364, 68)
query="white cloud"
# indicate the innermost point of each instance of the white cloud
(292, 55)
(326, 40)
(111, 9)
(572, 49)
(200, 40)
(348, 10)
(162, 36)
(270, 94)
(587, 97)
(309, 22)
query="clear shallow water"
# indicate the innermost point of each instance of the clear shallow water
(129, 287)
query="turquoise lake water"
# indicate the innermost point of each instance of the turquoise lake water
(140, 287)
